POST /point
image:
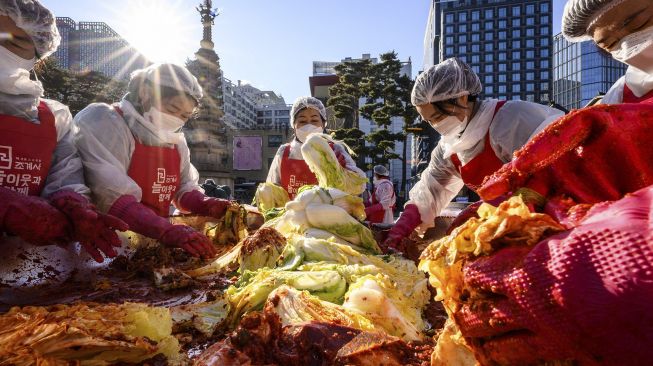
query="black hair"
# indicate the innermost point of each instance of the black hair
(440, 106)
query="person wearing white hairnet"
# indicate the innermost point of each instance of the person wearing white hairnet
(288, 168)
(43, 198)
(624, 28)
(382, 204)
(478, 137)
(137, 161)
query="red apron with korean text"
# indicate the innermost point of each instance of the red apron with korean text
(630, 97)
(377, 217)
(483, 164)
(26, 151)
(157, 170)
(295, 173)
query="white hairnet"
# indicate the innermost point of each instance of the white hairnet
(171, 76)
(451, 78)
(36, 20)
(307, 102)
(579, 15)
(381, 170)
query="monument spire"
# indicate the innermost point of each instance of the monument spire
(208, 15)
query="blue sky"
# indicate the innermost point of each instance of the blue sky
(270, 44)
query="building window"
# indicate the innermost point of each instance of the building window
(449, 18)
(516, 33)
(530, 87)
(544, 41)
(544, 52)
(544, 75)
(530, 76)
(503, 46)
(476, 15)
(530, 9)
(462, 28)
(489, 58)
(516, 22)
(489, 47)
(544, 86)
(516, 55)
(530, 43)
(489, 36)
(448, 29)
(476, 37)
(502, 89)
(476, 69)
(502, 78)
(476, 48)
(489, 25)
(530, 21)
(488, 79)
(516, 45)
(516, 88)
(463, 58)
(462, 38)
(516, 11)
(516, 76)
(275, 140)
(544, 7)
(476, 27)
(449, 51)
(503, 67)
(489, 68)
(462, 50)
(530, 54)
(530, 65)
(544, 64)
(489, 13)
(476, 59)
(488, 90)
(544, 31)
(503, 25)
(516, 66)
(462, 16)
(544, 19)
(530, 32)
(501, 56)
(503, 12)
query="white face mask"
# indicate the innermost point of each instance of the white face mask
(164, 121)
(450, 126)
(303, 132)
(636, 50)
(14, 75)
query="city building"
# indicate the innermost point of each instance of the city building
(508, 43)
(239, 109)
(581, 71)
(324, 76)
(94, 46)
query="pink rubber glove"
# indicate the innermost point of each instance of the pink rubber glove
(197, 203)
(32, 218)
(145, 221)
(583, 295)
(370, 210)
(405, 225)
(95, 231)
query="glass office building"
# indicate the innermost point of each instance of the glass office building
(581, 71)
(507, 42)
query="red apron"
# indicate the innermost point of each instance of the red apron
(295, 174)
(483, 164)
(377, 217)
(157, 171)
(26, 151)
(629, 97)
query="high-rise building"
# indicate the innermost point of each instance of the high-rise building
(507, 43)
(581, 71)
(94, 46)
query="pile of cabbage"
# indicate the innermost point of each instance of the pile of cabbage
(331, 268)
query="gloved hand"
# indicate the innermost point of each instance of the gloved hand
(372, 209)
(584, 294)
(591, 155)
(95, 231)
(143, 220)
(33, 219)
(197, 203)
(407, 222)
(341, 159)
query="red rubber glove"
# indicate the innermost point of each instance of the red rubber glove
(197, 203)
(145, 221)
(370, 210)
(405, 225)
(95, 231)
(32, 218)
(583, 295)
(592, 155)
(341, 159)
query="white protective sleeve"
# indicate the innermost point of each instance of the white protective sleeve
(66, 171)
(106, 143)
(514, 124)
(274, 174)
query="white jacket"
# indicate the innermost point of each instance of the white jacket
(385, 195)
(105, 141)
(515, 123)
(639, 82)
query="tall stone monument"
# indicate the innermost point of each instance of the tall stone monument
(209, 139)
